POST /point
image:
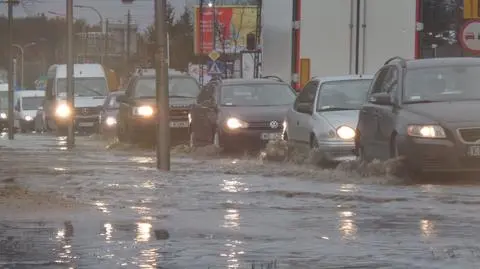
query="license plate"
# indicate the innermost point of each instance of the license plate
(473, 151)
(86, 124)
(271, 136)
(179, 124)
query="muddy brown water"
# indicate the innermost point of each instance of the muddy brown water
(104, 205)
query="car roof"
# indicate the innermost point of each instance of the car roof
(346, 77)
(243, 81)
(446, 61)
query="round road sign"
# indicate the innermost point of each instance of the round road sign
(470, 36)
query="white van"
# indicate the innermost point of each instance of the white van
(90, 88)
(26, 106)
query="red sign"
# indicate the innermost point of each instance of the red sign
(232, 24)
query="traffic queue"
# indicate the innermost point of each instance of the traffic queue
(423, 112)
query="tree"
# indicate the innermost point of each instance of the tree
(181, 39)
(169, 19)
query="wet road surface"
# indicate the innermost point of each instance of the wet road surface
(94, 207)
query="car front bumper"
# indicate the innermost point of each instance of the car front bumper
(436, 155)
(146, 127)
(245, 138)
(337, 151)
(80, 123)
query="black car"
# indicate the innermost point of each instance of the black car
(240, 113)
(426, 112)
(137, 116)
(108, 114)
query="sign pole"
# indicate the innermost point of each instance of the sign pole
(11, 120)
(161, 68)
(70, 89)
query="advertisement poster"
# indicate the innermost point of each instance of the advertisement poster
(232, 24)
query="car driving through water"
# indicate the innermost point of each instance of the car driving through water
(108, 114)
(325, 113)
(27, 102)
(90, 87)
(240, 113)
(137, 116)
(425, 112)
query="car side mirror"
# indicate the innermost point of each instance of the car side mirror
(305, 108)
(381, 98)
(122, 99)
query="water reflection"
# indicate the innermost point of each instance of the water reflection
(231, 219)
(148, 258)
(62, 142)
(348, 188)
(144, 231)
(347, 225)
(233, 253)
(108, 231)
(64, 237)
(428, 228)
(233, 185)
(102, 207)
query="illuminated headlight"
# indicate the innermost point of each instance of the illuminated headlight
(426, 131)
(345, 132)
(63, 111)
(144, 111)
(189, 118)
(234, 123)
(110, 121)
(3, 115)
(28, 118)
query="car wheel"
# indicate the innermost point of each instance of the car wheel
(362, 157)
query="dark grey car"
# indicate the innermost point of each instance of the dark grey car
(425, 111)
(242, 113)
(108, 114)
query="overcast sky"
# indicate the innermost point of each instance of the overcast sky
(114, 10)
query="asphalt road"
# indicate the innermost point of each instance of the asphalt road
(99, 206)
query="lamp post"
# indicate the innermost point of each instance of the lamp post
(101, 25)
(22, 58)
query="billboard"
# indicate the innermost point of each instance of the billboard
(233, 23)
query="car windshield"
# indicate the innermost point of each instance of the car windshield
(86, 87)
(343, 95)
(32, 103)
(257, 95)
(440, 84)
(181, 87)
(3, 100)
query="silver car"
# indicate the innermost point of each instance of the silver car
(325, 114)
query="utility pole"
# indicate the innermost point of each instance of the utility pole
(161, 68)
(11, 118)
(129, 21)
(70, 89)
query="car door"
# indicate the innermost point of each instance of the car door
(368, 121)
(386, 114)
(298, 120)
(201, 113)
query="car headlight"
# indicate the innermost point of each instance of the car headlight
(144, 111)
(3, 115)
(189, 118)
(28, 118)
(426, 131)
(110, 121)
(345, 132)
(234, 123)
(63, 111)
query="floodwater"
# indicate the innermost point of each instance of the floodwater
(100, 206)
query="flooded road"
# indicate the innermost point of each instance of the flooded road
(99, 207)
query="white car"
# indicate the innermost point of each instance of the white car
(325, 114)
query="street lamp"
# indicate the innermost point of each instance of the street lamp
(22, 51)
(101, 25)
